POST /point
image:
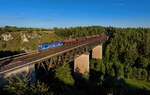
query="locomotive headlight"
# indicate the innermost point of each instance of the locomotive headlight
(40, 46)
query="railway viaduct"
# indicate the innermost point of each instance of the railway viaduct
(79, 53)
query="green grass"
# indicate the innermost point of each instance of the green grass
(138, 84)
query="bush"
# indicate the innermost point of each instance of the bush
(22, 86)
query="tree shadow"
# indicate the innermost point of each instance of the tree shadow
(5, 54)
(9, 53)
(120, 87)
(110, 85)
(81, 86)
(5, 62)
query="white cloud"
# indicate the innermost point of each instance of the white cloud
(119, 3)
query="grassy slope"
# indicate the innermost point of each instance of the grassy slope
(16, 44)
(138, 84)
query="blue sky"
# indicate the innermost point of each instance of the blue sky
(68, 13)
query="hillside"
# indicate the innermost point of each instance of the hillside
(25, 41)
(28, 39)
(124, 69)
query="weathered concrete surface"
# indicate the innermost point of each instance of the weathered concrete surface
(97, 52)
(30, 70)
(81, 64)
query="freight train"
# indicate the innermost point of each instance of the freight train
(68, 42)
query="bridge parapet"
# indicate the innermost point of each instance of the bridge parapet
(30, 70)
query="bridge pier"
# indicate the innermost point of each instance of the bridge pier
(97, 52)
(30, 70)
(81, 64)
(32, 73)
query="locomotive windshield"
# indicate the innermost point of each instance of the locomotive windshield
(40, 46)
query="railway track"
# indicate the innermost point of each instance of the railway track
(5, 58)
(17, 61)
(17, 56)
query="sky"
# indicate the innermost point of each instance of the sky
(71, 13)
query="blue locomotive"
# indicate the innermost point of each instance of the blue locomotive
(49, 45)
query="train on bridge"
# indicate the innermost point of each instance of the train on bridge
(67, 42)
(47, 51)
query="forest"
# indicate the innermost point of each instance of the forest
(127, 52)
(124, 69)
(18, 29)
